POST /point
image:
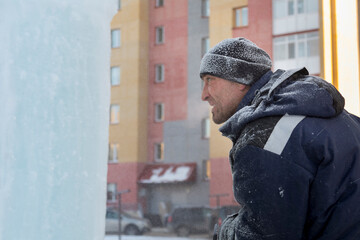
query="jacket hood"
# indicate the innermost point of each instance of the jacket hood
(291, 92)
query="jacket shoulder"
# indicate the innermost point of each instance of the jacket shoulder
(257, 132)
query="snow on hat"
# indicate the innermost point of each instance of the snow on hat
(236, 59)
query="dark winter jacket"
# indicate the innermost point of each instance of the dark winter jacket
(295, 162)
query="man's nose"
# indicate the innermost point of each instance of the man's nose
(204, 93)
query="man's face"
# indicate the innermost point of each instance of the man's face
(224, 96)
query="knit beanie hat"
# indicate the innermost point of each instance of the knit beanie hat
(236, 59)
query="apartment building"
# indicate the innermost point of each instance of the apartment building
(159, 128)
(177, 146)
(129, 99)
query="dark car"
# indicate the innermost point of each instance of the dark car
(225, 211)
(186, 220)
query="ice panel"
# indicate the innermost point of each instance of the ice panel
(54, 115)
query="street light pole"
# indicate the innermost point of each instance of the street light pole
(119, 208)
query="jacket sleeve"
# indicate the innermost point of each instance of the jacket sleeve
(273, 191)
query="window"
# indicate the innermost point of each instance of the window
(119, 4)
(159, 112)
(114, 113)
(159, 3)
(291, 10)
(159, 35)
(284, 8)
(241, 17)
(159, 73)
(111, 192)
(159, 151)
(205, 45)
(115, 38)
(112, 215)
(279, 48)
(205, 8)
(313, 44)
(291, 53)
(296, 46)
(279, 8)
(300, 6)
(205, 128)
(206, 169)
(113, 152)
(301, 49)
(115, 76)
(311, 6)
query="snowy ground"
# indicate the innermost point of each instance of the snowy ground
(159, 234)
(114, 237)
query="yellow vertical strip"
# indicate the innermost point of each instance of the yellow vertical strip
(325, 44)
(334, 36)
(358, 43)
(322, 39)
(208, 169)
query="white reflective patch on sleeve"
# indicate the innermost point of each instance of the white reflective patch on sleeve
(282, 132)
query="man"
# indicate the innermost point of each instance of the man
(295, 158)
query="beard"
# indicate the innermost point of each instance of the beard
(220, 117)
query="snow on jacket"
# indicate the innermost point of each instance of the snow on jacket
(295, 162)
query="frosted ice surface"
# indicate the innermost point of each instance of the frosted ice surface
(54, 94)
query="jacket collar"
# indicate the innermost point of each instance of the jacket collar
(249, 96)
(291, 92)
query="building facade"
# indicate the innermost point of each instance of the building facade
(175, 137)
(159, 130)
(129, 98)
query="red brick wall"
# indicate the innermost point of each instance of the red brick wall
(259, 29)
(221, 182)
(125, 175)
(173, 54)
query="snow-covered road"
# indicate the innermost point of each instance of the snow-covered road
(115, 237)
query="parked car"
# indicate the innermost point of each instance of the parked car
(130, 225)
(225, 211)
(186, 220)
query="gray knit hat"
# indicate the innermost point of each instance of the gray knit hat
(236, 59)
